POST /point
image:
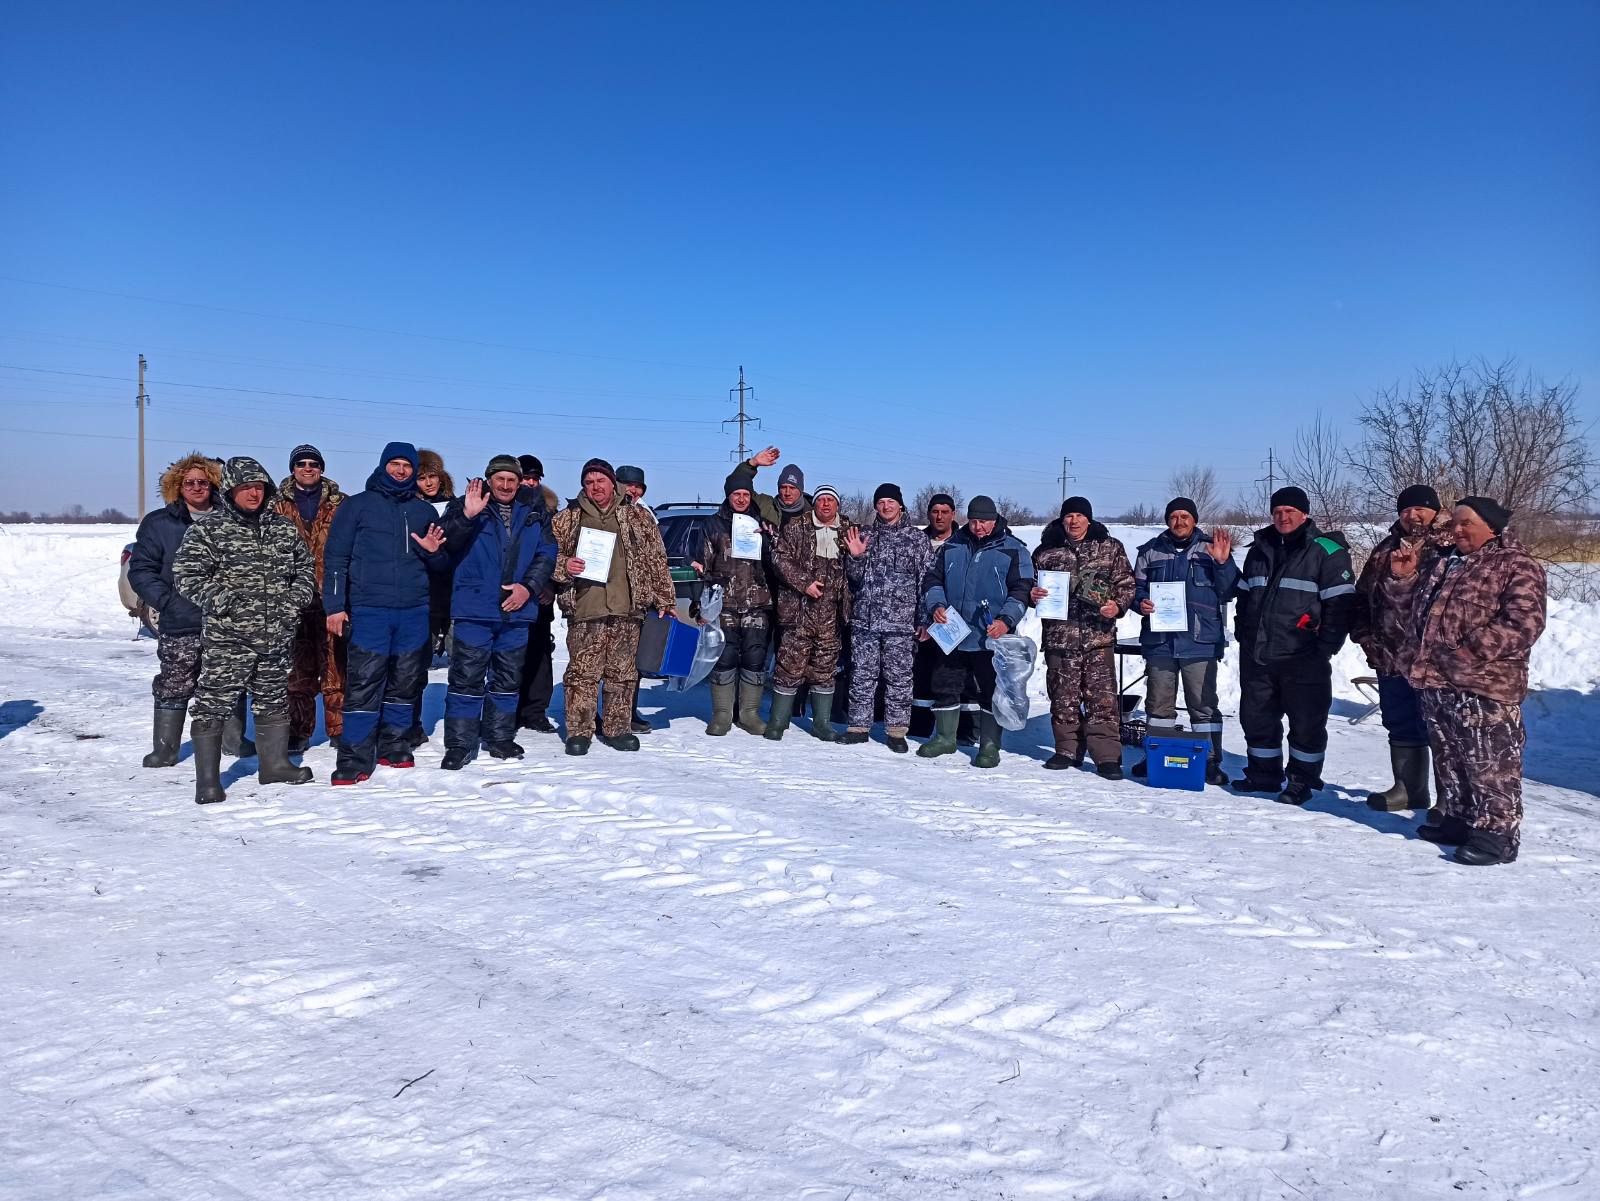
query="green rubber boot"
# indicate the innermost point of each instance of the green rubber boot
(750, 685)
(943, 741)
(822, 716)
(722, 688)
(782, 710)
(988, 741)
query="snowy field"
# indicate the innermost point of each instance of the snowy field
(724, 968)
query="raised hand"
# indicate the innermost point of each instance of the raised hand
(1221, 547)
(765, 458)
(432, 540)
(477, 498)
(855, 543)
(1403, 563)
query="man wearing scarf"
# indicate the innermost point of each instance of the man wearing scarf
(813, 608)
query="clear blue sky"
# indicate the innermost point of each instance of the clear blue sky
(948, 241)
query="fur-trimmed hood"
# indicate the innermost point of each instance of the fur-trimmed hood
(430, 462)
(172, 477)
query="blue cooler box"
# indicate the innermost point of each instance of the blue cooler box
(666, 646)
(1176, 762)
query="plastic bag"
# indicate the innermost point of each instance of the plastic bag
(709, 649)
(1014, 657)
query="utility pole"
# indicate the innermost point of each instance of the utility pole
(741, 418)
(141, 402)
(1271, 478)
(1066, 477)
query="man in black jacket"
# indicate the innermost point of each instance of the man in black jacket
(1297, 600)
(189, 488)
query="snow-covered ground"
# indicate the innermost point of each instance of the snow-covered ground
(724, 968)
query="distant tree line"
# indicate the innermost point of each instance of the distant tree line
(73, 515)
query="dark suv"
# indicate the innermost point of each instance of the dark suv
(683, 531)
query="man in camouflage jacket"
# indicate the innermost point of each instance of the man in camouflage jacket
(885, 566)
(1379, 629)
(250, 574)
(813, 608)
(1473, 619)
(310, 499)
(604, 617)
(1080, 674)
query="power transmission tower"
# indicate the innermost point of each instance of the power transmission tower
(1066, 477)
(141, 401)
(1271, 478)
(741, 418)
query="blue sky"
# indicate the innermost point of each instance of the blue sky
(947, 241)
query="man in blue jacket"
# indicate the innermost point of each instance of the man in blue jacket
(1185, 554)
(985, 574)
(504, 556)
(381, 547)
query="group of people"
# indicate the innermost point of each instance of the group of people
(286, 591)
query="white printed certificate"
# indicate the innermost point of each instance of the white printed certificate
(950, 634)
(1171, 600)
(746, 537)
(1059, 585)
(595, 548)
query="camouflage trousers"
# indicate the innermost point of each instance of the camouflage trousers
(318, 662)
(178, 656)
(1477, 759)
(1084, 714)
(233, 664)
(885, 657)
(809, 652)
(602, 651)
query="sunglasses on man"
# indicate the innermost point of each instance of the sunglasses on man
(308, 463)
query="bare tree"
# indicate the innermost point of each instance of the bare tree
(1199, 483)
(1319, 464)
(1140, 514)
(857, 506)
(1483, 429)
(1017, 512)
(919, 503)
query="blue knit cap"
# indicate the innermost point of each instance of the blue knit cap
(399, 450)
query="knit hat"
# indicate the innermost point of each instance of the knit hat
(791, 474)
(737, 481)
(1495, 515)
(1418, 495)
(503, 463)
(628, 474)
(981, 508)
(599, 465)
(530, 465)
(306, 451)
(1077, 504)
(398, 450)
(825, 490)
(889, 492)
(1181, 504)
(941, 498)
(1294, 497)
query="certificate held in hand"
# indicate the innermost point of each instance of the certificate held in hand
(595, 548)
(1058, 584)
(746, 537)
(1171, 601)
(949, 635)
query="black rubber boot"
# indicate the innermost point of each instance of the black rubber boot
(943, 741)
(207, 739)
(1294, 793)
(1214, 773)
(577, 745)
(166, 737)
(1484, 847)
(822, 716)
(626, 741)
(1410, 787)
(272, 743)
(455, 758)
(460, 742)
(782, 711)
(1448, 831)
(234, 743)
(1108, 771)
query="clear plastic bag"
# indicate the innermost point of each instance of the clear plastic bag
(709, 649)
(1014, 657)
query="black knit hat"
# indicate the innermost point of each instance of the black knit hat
(1077, 504)
(530, 465)
(791, 474)
(1495, 515)
(941, 498)
(1181, 504)
(599, 465)
(737, 481)
(1418, 494)
(503, 463)
(889, 492)
(1294, 497)
(981, 508)
(306, 451)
